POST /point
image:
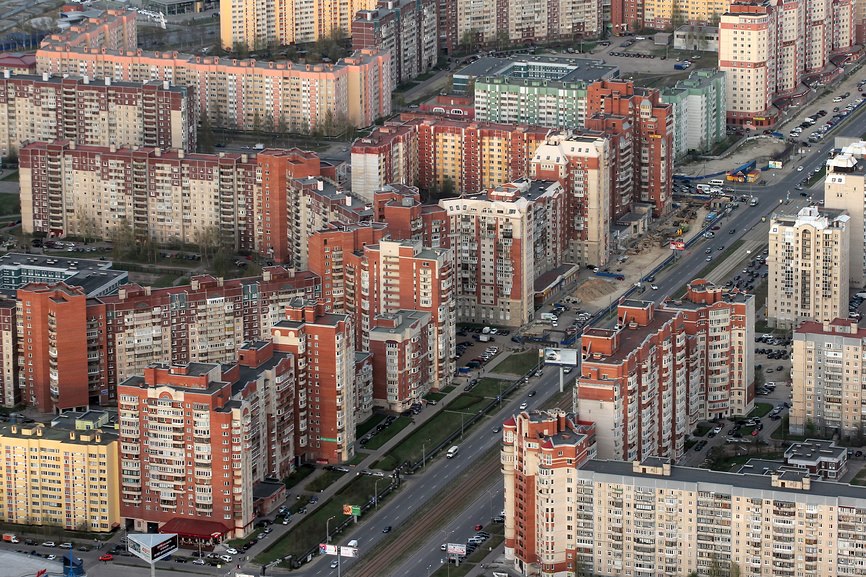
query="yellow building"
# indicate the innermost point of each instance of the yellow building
(65, 478)
(662, 14)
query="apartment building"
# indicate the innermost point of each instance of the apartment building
(192, 447)
(699, 111)
(541, 452)
(766, 48)
(503, 239)
(10, 393)
(662, 15)
(407, 29)
(94, 277)
(639, 115)
(720, 331)
(250, 25)
(634, 383)
(844, 188)
(538, 90)
(44, 109)
(583, 163)
(400, 206)
(245, 94)
(826, 373)
(808, 267)
(60, 478)
(322, 344)
(110, 30)
(401, 345)
(388, 156)
(653, 518)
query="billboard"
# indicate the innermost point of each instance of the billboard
(677, 245)
(150, 547)
(352, 510)
(348, 551)
(457, 549)
(775, 164)
(325, 549)
(566, 357)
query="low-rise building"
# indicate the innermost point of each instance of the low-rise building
(95, 277)
(826, 372)
(653, 518)
(820, 458)
(60, 478)
(808, 267)
(699, 38)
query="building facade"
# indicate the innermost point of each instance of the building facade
(826, 369)
(388, 156)
(503, 240)
(60, 478)
(541, 453)
(808, 267)
(653, 518)
(407, 29)
(402, 362)
(45, 109)
(845, 190)
(111, 30)
(700, 111)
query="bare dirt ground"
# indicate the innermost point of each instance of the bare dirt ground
(761, 148)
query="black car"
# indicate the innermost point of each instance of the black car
(387, 529)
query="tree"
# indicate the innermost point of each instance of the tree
(678, 16)
(205, 135)
(123, 240)
(469, 40)
(503, 40)
(88, 228)
(208, 241)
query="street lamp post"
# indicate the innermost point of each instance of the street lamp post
(328, 528)
(376, 492)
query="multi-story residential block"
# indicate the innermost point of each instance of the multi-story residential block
(363, 386)
(111, 30)
(699, 111)
(766, 48)
(720, 329)
(541, 451)
(638, 114)
(250, 25)
(808, 267)
(388, 156)
(540, 90)
(465, 24)
(196, 437)
(583, 164)
(95, 277)
(407, 29)
(322, 344)
(844, 188)
(10, 393)
(503, 240)
(653, 518)
(401, 346)
(400, 206)
(246, 94)
(44, 109)
(60, 478)
(826, 372)
(662, 15)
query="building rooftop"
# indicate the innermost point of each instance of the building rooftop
(542, 67)
(402, 320)
(724, 482)
(630, 338)
(247, 374)
(838, 327)
(95, 277)
(31, 430)
(87, 81)
(812, 451)
(818, 217)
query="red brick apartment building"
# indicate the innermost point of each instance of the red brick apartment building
(401, 344)
(647, 383)
(637, 114)
(541, 453)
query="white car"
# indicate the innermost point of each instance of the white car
(226, 558)
(334, 564)
(799, 169)
(198, 562)
(232, 551)
(523, 406)
(654, 287)
(717, 430)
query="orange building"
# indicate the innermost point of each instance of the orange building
(541, 453)
(52, 353)
(111, 30)
(639, 115)
(400, 207)
(322, 345)
(401, 343)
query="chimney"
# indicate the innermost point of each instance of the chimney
(180, 153)
(348, 200)
(7, 73)
(320, 185)
(108, 81)
(166, 84)
(112, 147)
(86, 79)
(44, 77)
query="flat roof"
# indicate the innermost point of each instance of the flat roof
(522, 66)
(693, 475)
(93, 276)
(16, 564)
(28, 431)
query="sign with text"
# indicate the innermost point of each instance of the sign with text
(678, 245)
(150, 548)
(348, 551)
(566, 357)
(325, 549)
(352, 510)
(457, 549)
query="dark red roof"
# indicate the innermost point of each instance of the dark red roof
(194, 528)
(20, 61)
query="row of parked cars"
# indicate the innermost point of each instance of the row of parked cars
(471, 545)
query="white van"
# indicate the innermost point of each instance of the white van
(705, 188)
(716, 182)
(353, 543)
(452, 452)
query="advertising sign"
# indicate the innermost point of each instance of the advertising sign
(678, 245)
(775, 164)
(567, 357)
(325, 549)
(348, 551)
(457, 548)
(150, 547)
(352, 510)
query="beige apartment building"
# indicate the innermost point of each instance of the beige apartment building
(808, 267)
(255, 25)
(58, 477)
(827, 368)
(650, 518)
(662, 14)
(100, 113)
(845, 189)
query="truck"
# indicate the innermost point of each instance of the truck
(705, 188)
(10, 538)
(259, 146)
(484, 338)
(548, 317)
(608, 274)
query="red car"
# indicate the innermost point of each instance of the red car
(106, 557)
(479, 527)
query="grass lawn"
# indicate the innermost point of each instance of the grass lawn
(298, 475)
(368, 425)
(387, 433)
(309, 531)
(470, 402)
(9, 204)
(760, 296)
(238, 543)
(11, 176)
(359, 456)
(816, 177)
(165, 280)
(323, 481)
(429, 435)
(435, 396)
(702, 429)
(489, 388)
(517, 364)
(782, 433)
(859, 478)
(448, 389)
(761, 410)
